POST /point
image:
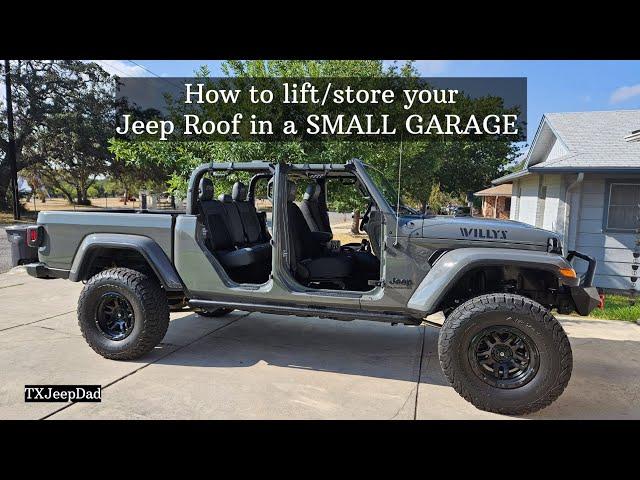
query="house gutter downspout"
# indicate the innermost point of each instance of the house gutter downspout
(567, 211)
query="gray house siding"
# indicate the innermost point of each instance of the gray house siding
(544, 199)
(613, 250)
(564, 187)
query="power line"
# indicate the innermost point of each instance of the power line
(110, 65)
(145, 68)
(155, 74)
(127, 74)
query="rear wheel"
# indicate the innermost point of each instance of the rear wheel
(505, 353)
(122, 313)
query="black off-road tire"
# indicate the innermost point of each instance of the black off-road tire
(468, 322)
(149, 305)
(218, 312)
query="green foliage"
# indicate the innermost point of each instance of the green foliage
(437, 199)
(344, 198)
(618, 307)
(516, 166)
(40, 90)
(456, 166)
(71, 150)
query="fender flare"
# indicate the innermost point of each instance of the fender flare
(145, 246)
(451, 266)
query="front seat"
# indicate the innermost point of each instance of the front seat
(311, 207)
(312, 262)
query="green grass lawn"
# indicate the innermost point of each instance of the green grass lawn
(617, 307)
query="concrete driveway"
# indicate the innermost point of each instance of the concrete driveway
(257, 366)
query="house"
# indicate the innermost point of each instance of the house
(23, 185)
(496, 201)
(582, 179)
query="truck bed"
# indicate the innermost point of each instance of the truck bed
(65, 230)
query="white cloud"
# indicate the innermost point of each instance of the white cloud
(623, 94)
(121, 68)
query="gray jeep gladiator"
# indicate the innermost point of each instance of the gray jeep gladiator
(495, 281)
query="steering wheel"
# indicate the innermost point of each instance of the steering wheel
(365, 218)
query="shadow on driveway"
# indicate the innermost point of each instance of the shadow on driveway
(605, 381)
(352, 348)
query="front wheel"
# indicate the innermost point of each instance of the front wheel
(505, 353)
(122, 313)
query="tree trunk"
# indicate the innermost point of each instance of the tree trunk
(355, 224)
(4, 186)
(67, 194)
(81, 193)
(423, 206)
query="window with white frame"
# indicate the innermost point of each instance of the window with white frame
(623, 206)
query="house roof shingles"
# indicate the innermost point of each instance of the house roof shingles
(595, 140)
(503, 190)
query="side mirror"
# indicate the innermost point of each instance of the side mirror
(270, 190)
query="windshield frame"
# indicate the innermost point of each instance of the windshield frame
(384, 187)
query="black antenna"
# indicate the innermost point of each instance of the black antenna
(395, 244)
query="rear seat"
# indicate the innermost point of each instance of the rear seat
(243, 235)
(226, 234)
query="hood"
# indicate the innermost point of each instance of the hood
(481, 230)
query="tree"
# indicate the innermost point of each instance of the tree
(39, 88)
(72, 147)
(179, 158)
(458, 166)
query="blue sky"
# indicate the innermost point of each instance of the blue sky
(552, 85)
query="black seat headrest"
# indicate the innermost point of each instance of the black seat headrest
(225, 198)
(291, 191)
(312, 192)
(206, 190)
(239, 192)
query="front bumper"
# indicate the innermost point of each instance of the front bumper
(585, 296)
(585, 299)
(41, 270)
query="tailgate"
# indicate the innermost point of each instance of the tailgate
(21, 252)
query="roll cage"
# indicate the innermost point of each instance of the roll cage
(264, 169)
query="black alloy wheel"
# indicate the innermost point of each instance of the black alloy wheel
(504, 357)
(114, 316)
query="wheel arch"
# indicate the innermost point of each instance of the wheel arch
(451, 268)
(120, 248)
